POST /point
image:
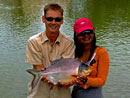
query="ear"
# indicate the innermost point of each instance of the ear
(62, 21)
(43, 19)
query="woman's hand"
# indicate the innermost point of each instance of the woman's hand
(81, 80)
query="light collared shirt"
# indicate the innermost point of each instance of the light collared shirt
(39, 51)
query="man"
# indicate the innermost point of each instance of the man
(47, 46)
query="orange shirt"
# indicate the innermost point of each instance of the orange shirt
(100, 68)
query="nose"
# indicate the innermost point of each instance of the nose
(53, 21)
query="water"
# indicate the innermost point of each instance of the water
(20, 19)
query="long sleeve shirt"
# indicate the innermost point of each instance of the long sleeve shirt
(99, 68)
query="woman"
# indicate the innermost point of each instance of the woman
(85, 41)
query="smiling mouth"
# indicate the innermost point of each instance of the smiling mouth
(86, 39)
(53, 26)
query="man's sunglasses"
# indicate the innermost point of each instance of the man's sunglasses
(85, 32)
(57, 19)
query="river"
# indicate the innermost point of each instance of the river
(20, 19)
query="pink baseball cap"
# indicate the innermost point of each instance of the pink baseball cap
(82, 24)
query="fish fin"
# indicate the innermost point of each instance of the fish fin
(36, 76)
(88, 63)
(55, 61)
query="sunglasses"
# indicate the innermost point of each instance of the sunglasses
(85, 32)
(57, 19)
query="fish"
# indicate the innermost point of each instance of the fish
(61, 71)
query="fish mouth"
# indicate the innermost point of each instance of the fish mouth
(85, 72)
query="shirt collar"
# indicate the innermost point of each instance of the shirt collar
(45, 38)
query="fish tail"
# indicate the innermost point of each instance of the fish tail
(36, 76)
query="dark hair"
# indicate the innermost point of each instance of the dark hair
(80, 49)
(54, 7)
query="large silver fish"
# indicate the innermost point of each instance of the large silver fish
(62, 71)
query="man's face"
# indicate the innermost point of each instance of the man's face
(53, 25)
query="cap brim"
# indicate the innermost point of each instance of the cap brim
(78, 31)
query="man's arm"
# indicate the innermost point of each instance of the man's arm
(38, 67)
(34, 54)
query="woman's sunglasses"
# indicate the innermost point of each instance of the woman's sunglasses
(57, 19)
(85, 32)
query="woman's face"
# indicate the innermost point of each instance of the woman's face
(86, 38)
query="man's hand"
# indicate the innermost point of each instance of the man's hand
(38, 67)
(44, 78)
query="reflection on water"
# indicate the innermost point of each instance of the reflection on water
(21, 19)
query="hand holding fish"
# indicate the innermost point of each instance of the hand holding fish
(64, 85)
(44, 78)
(81, 81)
(81, 78)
